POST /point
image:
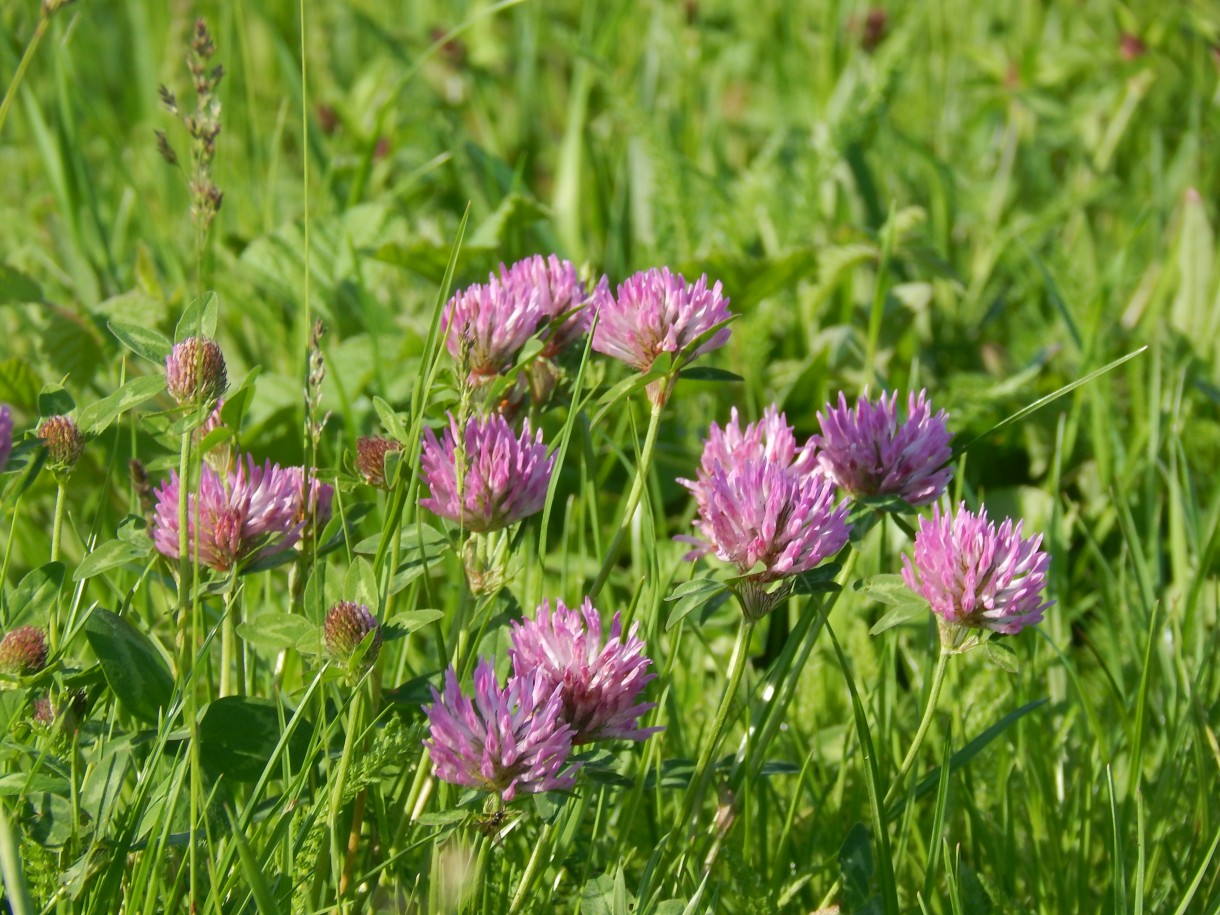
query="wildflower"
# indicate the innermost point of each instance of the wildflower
(507, 739)
(245, 515)
(370, 458)
(486, 326)
(656, 312)
(976, 576)
(599, 678)
(868, 452)
(6, 434)
(64, 441)
(503, 478)
(346, 627)
(195, 371)
(770, 521)
(23, 651)
(562, 297)
(768, 439)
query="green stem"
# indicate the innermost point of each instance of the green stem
(938, 679)
(61, 503)
(633, 498)
(737, 668)
(786, 675)
(232, 655)
(532, 868)
(26, 58)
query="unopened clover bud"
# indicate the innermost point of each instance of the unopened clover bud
(195, 371)
(64, 441)
(370, 458)
(347, 625)
(23, 651)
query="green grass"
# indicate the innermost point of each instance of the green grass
(993, 203)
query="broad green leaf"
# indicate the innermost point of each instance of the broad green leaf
(689, 596)
(53, 400)
(134, 669)
(16, 288)
(273, 631)
(885, 589)
(238, 736)
(899, 614)
(35, 593)
(100, 414)
(143, 341)
(199, 318)
(111, 555)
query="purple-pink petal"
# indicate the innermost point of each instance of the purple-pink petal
(867, 451)
(973, 574)
(599, 676)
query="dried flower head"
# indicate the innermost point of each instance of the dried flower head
(599, 677)
(249, 514)
(64, 441)
(975, 575)
(23, 651)
(509, 739)
(195, 371)
(562, 296)
(502, 478)
(6, 434)
(656, 312)
(370, 458)
(868, 452)
(346, 627)
(486, 326)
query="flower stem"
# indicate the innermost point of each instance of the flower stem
(737, 668)
(56, 540)
(633, 499)
(19, 75)
(532, 868)
(938, 679)
(232, 655)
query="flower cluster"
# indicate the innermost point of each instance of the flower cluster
(371, 452)
(23, 651)
(248, 514)
(486, 325)
(346, 627)
(570, 685)
(497, 479)
(977, 576)
(763, 508)
(507, 739)
(195, 371)
(868, 452)
(64, 441)
(561, 294)
(656, 312)
(599, 678)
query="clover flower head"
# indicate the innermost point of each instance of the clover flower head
(562, 295)
(977, 575)
(345, 629)
(867, 451)
(248, 514)
(508, 739)
(486, 325)
(64, 441)
(370, 458)
(195, 371)
(656, 312)
(23, 651)
(770, 521)
(503, 477)
(599, 676)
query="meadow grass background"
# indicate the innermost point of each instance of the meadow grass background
(992, 202)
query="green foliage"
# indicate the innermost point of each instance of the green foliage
(1013, 205)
